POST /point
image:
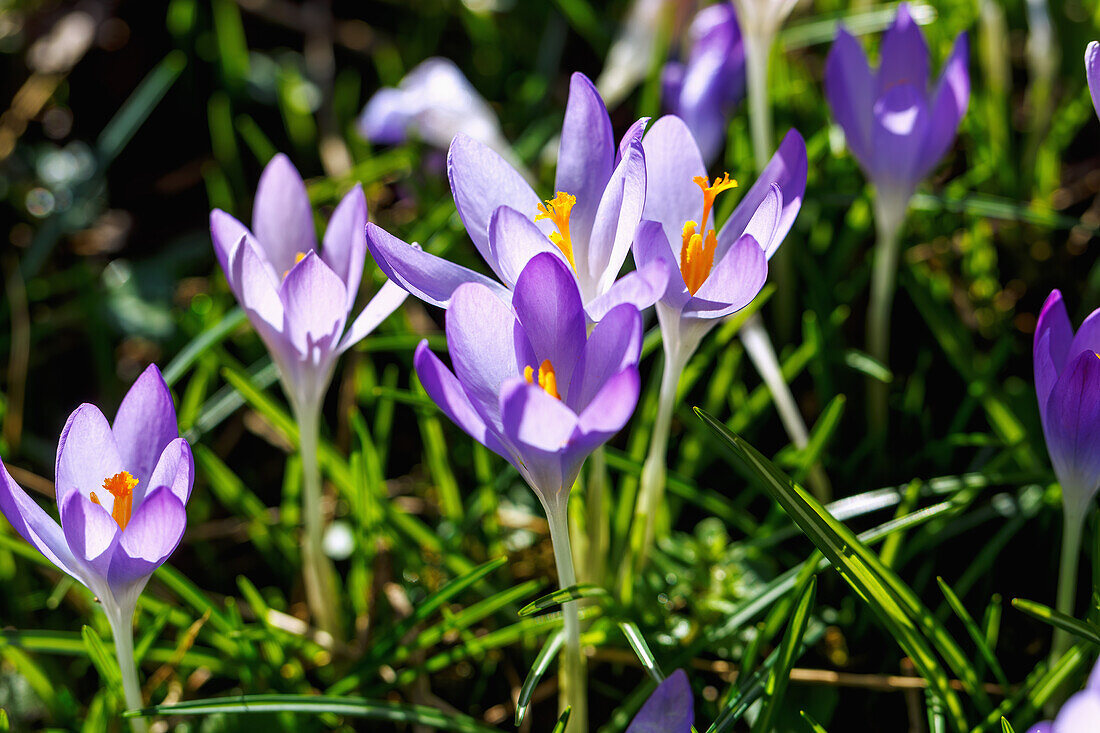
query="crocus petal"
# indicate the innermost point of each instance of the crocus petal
(614, 344)
(1046, 374)
(735, 280)
(152, 535)
(1092, 72)
(849, 89)
(446, 392)
(651, 245)
(388, 299)
(430, 278)
(948, 105)
(1072, 428)
(175, 470)
(670, 709)
(144, 424)
(672, 160)
(1087, 337)
(787, 171)
(632, 135)
(616, 220)
(1054, 319)
(257, 290)
(1046, 726)
(514, 239)
(641, 288)
(481, 181)
(386, 117)
(86, 455)
(35, 526)
(487, 347)
(539, 426)
(226, 232)
(90, 532)
(1080, 714)
(765, 221)
(608, 411)
(901, 122)
(904, 55)
(345, 248)
(282, 217)
(586, 154)
(316, 307)
(548, 305)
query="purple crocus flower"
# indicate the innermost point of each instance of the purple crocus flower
(896, 125)
(670, 709)
(703, 91)
(588, 225)
(1080, 714)
(298, 298)
(1092, 72)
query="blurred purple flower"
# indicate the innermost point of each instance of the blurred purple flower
(670, 709)
(1080, 714)
(1067, 383)
(704, 91)
(588, 225)
(529, 383)
(1092, 72)
(122, 491)
(434, 102)
(896, 125)
(297, 298)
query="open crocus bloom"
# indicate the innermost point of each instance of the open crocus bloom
(1080, 714)
(298, 298)
(1067, 383)
(896, 125)
(529, 383)
(588, 225)
(670, 709)
(121, 492)
(703, 91)
(1092, 72)
(714, 273)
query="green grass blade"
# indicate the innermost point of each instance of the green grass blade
(542, 662)
(564, 595)
(1081, 629)
(789, 648)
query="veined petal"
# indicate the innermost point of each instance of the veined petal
(315, 303)
(152, 535)
(388, 299)
(672, 159)
(670, 709)
(904, 55)
(447, 392)
(1054, 319)
(633, 134)
(226, 232)
(257, 290)
(91, 533)
(144, 425)
(514, 239)
(36, 527)
(735, 280)
(651, 245)
(1092, 72)
(428, 277)
(1087, 337)
(586, 153)
(948, 105)
(175, 470)
(614, 344)
(345, 246)
(539, 426)
(86, 454)
(1072, 428)
(282, 217)
(608, 411)
(616, 220)
(850, 90)
(641, 288)
(549, 308)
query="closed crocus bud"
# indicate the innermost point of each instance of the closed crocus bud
(1092, 72)
(670, 709)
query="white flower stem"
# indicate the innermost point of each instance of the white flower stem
(889, 216)
(596, 520)
(757, 51)
(574, 690)
(1073, 524)
(122, 630)
(317, 570)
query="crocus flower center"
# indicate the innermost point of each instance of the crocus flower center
(297, 258)
(699, 243)
(557, 210)
(121, 486)
(546, 378)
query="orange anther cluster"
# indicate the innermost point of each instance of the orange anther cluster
(546, 378)
(121, 486)
(699, 243)
(557, 210)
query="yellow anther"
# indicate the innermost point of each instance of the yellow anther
(297, 258)
(698, 242)
(546, 378)
(121, 486)
(711, 191)
(557, 210)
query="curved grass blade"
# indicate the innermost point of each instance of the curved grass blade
(198, 346)
(542, 662)
(104, 662)
(637, 642)
(562, 721)
(1006, 727)
(812, 725)
(789, 648)
(976, 633)
(1080, 629)
(564, 595)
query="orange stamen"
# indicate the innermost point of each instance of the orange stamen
(297, 258)
(557, 210)
(546, 378)
(711, 192)
(121, 486)
(699, 243)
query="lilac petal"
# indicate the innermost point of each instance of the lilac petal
(1072, 429)
(786, 170)
(152, 535)
(849, 89)
(1046, 374)
(386, 118)
(282, 217)
(1054, 319)
(175, 470)
(651, 245)
(1087, 337)
(901, 121)
(257, 290)
(715, 77)
(670, 709)
(540, 427)
(607, 413)
(226, 232)
(345, 247)
(549, 308)
(616, 220)
(586, 154)
(733, 282)
(484, 347)
(1046, 726)
(35, 526)
(1092, 72)
(90, 531)
(632, 135)
(430, 278)
(641, 288)
(614, 344)
(948, 105)
(904, 55)
(765, 221)
(672, 159)
(447, 392)
(1093, 682)
(514, 239)
(144, 424)
(388, 299)
(316, 308)
(86, 455)
(481, 181)
(1080, 714)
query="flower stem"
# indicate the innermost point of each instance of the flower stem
(596, 519)
(318, 572)
(574, 691)
(1073, 524)
(884, 278)
(123, 633)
